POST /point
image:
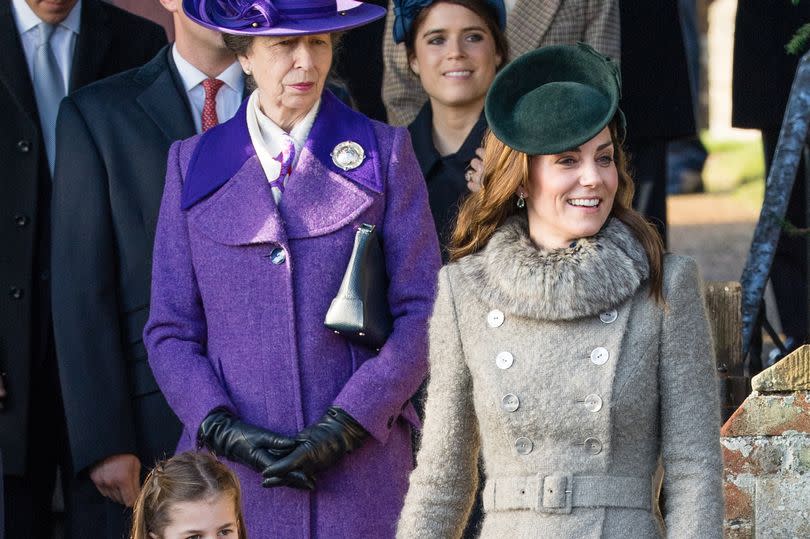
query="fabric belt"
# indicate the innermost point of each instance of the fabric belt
(560, 492)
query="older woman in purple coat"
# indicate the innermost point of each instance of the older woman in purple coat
(256, 228)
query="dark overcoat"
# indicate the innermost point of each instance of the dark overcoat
(763, 70)
(656, 98)
(239, 293)
(113, 140)
(110, 40)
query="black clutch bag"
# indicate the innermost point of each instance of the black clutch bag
(360, 310)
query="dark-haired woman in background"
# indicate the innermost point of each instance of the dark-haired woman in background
(455, 47)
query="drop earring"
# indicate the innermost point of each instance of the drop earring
(521, 202)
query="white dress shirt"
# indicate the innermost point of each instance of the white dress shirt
(63, 40)
(229, 96)
(265, 135)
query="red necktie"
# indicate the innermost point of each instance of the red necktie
(209, 111)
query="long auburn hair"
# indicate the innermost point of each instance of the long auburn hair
(507, 169)
(187, 477)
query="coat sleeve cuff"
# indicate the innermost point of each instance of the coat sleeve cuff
(377, 420)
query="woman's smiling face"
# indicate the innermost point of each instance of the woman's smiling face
(290, 73)
(571, 193)
(454, 55)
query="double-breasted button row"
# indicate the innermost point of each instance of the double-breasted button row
(593, 402)
(600, 355)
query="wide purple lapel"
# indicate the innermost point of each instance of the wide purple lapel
(229, 199)
(220, 153)
(318, 201)
(320, 197)
(338, 123)
(241, 212)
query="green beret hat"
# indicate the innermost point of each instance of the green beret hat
(553, 99)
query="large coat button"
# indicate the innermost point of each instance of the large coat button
(608, 317)
(523, 446)
(495, 318)
(599, 355)
(21, 220)
(510, 402)
(593, 446)
(504, 360)
(15, 292)
(23, 146)
(278, 256)
(593, 402)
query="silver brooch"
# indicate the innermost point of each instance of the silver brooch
(348, 155)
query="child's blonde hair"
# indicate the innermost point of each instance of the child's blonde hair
(187, 477)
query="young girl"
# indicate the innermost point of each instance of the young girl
(189, 496)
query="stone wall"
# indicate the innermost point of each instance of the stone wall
(766, 453)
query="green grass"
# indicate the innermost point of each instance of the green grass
(735, 167)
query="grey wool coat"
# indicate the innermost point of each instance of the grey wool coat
(571, 381)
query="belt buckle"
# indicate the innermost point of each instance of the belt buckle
(556, 494)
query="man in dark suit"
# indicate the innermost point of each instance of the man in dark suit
(656, 98)
(763, 75)
(48, 49)
(113, 139)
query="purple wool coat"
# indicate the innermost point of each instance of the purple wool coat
(231, 327)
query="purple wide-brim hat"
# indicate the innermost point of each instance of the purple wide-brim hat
(281, 17)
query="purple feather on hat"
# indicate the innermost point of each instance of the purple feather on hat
(238, 14)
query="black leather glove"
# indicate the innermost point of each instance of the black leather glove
(319, 446)
(255, 447)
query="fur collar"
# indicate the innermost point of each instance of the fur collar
(593, 276)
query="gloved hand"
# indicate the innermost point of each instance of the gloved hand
(247, 444)
(319, 446)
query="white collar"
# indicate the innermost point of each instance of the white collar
(26, 19)
(267, 138)
(191, 76)
(271, 131)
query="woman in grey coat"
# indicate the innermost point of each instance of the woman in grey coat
(565, 346)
